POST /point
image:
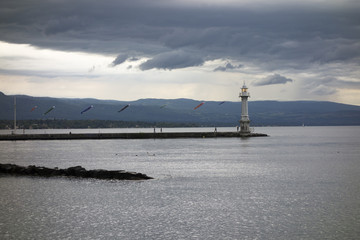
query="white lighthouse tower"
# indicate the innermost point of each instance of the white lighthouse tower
(244, 121)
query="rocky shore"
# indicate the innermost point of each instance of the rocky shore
(77, 171)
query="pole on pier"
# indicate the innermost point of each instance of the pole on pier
(14, 114)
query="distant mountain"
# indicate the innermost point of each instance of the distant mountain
(262, 113)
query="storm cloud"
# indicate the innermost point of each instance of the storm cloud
(119, 60)
(290, 38)
(228, 66)
(272, 79)
(172, 60)
(323, 90)
(157, 27)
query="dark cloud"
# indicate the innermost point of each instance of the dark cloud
(272, 79)
(172, 60)
(133, 59)
(322, 90)
(327, 86)
(228, 66)
(272, 38)
(332, 82)
(119, 60)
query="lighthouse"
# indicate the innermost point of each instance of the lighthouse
(244, 121)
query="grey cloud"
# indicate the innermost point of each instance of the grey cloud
(48, 74)
(332, 82)
(172, 60)
(133, 59)
(327, 86)
(220, 68)
(228, 66)
(338, 50)
(322, 90)
(119, 60)
(64, 24)
(272, 79)
(281, 38)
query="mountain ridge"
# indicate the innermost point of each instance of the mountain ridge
(181, 110)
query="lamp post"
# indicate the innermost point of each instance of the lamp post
(14, 114)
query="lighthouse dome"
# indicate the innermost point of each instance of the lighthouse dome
(244, 88)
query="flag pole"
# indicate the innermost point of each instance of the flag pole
(14, 114)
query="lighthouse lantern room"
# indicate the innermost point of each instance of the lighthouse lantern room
(244, 121)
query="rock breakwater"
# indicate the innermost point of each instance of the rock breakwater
(161, 135)
(76, 171)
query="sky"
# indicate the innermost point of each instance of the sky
(206, 50)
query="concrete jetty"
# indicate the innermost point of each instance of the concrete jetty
(140, 135)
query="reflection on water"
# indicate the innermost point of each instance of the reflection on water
(299, 183)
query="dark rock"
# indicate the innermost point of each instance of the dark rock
(76, 171)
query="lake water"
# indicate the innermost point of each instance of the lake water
(298, 183)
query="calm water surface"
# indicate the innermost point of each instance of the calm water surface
(298, 183)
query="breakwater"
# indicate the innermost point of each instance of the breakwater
(76, 171)
(70, 136)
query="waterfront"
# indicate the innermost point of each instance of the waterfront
(298, 183)
(114, 130)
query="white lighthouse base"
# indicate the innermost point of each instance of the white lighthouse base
(244, 126)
